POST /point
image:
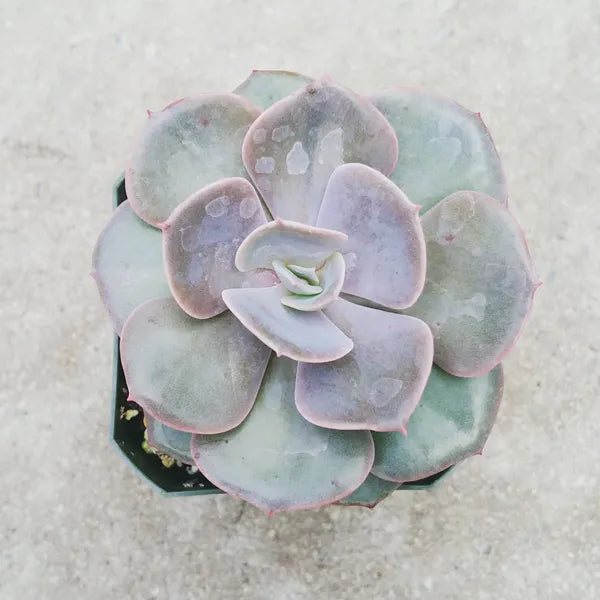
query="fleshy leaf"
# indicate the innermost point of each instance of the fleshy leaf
(264, 88)
(385, 251)
(370, 493)
(451, 422)
(188, 145)
(293, 282)
(171, 441)
(201, 238)
(331, 279)
(480, 282)
(442, 147)
(308, 273)
(293, 147)
(278, 461)
(200, 376)
(290, 242)
(303, 336)
(378, 384)
(127, 264)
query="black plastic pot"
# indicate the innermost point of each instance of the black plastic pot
(128, 434)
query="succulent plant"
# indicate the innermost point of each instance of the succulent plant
(314, 290)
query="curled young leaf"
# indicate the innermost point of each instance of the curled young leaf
(302, 336)
(289, 242)
(331, 279)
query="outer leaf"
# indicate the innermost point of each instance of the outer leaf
(378, 384)
(304, 336)
(201, 238)
(127, 264)
(443, 147)
(188, 145)
(295, 145)
(289, 242)
(480, 283)
(277, 460)
(264, 88)
(370, 493)
(452, 421)
(385, 251)
(171, 441)
(196, 376)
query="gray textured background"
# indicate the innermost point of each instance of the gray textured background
(523, 521)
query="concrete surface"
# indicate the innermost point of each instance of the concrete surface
(521, 522)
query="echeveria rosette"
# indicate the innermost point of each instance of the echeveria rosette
(341, 278)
